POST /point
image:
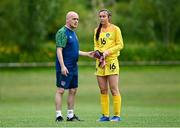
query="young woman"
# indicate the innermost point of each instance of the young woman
(107, 43)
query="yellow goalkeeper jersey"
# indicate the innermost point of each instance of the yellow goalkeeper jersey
(110, 39)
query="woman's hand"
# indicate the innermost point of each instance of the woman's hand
(105, 53)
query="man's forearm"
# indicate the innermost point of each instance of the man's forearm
(60, 57)
(81, 53)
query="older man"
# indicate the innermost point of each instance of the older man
(67, 52)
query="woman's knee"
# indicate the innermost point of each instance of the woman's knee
(115, 91)
(104, 91)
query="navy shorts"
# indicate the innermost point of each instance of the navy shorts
(67, 82)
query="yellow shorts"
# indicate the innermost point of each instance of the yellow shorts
(111, 68)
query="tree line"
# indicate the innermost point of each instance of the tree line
(29, 24)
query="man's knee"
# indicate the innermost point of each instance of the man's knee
(60, 90)
(72, 91)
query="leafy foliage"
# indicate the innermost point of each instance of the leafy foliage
(28, 26)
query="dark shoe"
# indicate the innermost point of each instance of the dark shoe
(74, 118)
(59, 119)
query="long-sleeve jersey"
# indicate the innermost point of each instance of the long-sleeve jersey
(109, 40)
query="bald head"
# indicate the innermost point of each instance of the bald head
(72, 19)
(71, 14)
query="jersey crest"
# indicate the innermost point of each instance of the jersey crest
(107, 35)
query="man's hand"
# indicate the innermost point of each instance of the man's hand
(97, 54)
(91, 54)
(64, 71)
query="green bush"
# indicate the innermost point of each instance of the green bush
(150, 52)
(46, 53)
(131, 52)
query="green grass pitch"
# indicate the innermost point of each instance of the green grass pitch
(150, 98)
